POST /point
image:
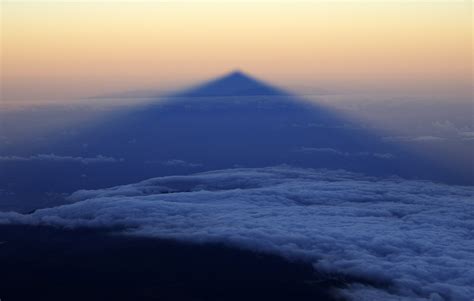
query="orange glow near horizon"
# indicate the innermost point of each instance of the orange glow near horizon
(54, 50)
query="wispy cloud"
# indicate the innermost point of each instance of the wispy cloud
(56, 158)
(175, 162)
(439, 131)
(343, 126)
(426, 138)
(467, 136)
(337, 152)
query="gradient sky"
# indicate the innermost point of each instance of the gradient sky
(62, 50)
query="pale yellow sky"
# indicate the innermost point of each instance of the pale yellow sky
(64, 49)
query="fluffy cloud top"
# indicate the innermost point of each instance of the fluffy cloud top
(53, 157)
(416, 236)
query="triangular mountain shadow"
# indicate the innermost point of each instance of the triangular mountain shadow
(204, 129)
(235, 83)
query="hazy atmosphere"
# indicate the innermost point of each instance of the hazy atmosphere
(57, 50)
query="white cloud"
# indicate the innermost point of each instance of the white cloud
(416, 235)
(447, 128)
(384, 155)
(440, 131)
(175, 162)
(467, 136)
(426, 138)
(337, 152)
(56, 158)
(344, 126)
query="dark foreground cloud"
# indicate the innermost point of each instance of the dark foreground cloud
(415, 235)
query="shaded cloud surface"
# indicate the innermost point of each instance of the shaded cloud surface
(416, 236)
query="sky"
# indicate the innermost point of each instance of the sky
(61, 50)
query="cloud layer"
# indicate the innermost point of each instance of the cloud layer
(416, 236)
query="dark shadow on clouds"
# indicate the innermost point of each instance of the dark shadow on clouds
(235, 120)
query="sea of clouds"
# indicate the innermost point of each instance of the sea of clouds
(415, 237)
